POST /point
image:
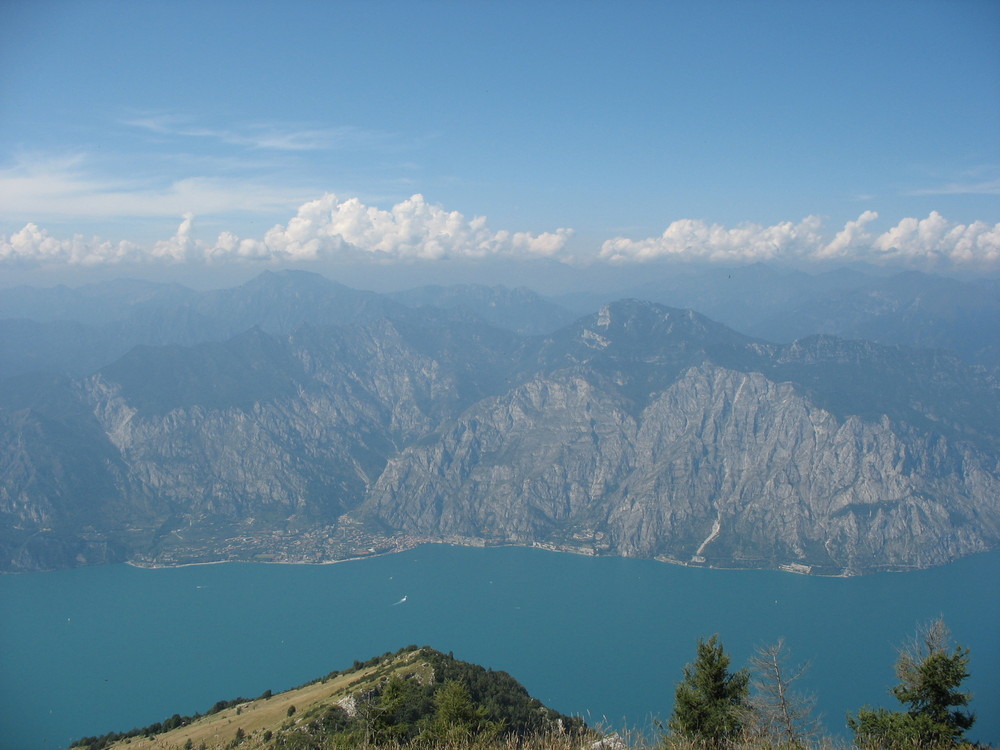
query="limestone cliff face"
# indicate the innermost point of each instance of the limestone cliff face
(640, 431)
(303, 425)
(723, 468)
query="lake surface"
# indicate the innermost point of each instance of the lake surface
(91, 650)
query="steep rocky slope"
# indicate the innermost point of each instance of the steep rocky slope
(662, 450)
(639, 430)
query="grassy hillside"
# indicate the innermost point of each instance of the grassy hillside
(417, 695)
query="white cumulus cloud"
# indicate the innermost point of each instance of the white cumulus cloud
(182, 247)
(415, 230)
(34, 246)
(936, 240)
(692, 239)
(411, 230)
(849, 239)
(931, 242)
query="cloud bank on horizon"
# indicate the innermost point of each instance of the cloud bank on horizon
(322, 229)
(415, 230)
(932, 242)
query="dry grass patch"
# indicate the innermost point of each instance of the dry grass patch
(253, 717)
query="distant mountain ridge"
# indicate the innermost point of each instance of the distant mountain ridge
(77, 331)
(339, 423)
(910, 308)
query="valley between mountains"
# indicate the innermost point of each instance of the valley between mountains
(294, 419)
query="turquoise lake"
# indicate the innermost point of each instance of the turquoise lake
(110, 648)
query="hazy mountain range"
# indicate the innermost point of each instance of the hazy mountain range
(295, 418)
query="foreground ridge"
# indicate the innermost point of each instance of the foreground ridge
(415, 695)
(423, 699)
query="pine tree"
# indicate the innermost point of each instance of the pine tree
(710, 703)
(400, 706)
(457, 718)
(930, 671)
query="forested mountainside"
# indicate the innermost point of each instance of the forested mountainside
(314, 422)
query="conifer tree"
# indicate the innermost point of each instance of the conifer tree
(710, 703)
(930, 671)
(400, 706)
(457, 718)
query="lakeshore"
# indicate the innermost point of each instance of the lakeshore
(322, 547)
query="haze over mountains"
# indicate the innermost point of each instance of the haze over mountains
(294, 418)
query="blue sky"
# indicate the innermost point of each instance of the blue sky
(192, 134)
